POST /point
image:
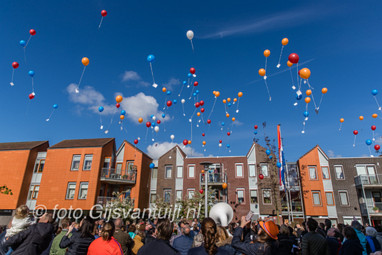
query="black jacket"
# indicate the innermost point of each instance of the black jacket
(285, 245)
(351, 247)
(314, 243)
(32, 241)
(157, 246)
(255, 248)
(76, 244)
(333, 245)
(202, 251)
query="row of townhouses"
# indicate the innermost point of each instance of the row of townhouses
(82, 173)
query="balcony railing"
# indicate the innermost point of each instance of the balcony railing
(107, 200)
(122, 176)
(213, 178)
(296, 206)
(371, 208)
(368, 180)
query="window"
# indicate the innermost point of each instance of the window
(129, 165)
(267, 199)
(167, 195)
(179, 172)
(153, 198)
(39, 166)
(167, 172)
(154, 173)
(344, 198)
(329, 198)
(88, 162)
(253, 196)
(264, 170)
(252, 170)
(312, 173)
(33, 192)
(316, 197)
(71, 190)
(179, 195)
(83, 190)
(240, 196)
(325, 172)
(106, 163)
(76, 162)
(339, 172)
(191, 171)
(239, 170)
(118, 170)
(191, 193)
(372, 175)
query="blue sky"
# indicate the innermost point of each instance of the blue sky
(341, 43)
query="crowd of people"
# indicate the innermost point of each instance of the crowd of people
(24, 235)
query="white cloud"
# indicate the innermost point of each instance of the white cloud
(158, 149)
(331, 154)
(237, 123)
(132, 76)
(378, 140)
(172, 83)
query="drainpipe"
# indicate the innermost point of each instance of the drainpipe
(364, 197)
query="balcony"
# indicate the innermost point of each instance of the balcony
(374, 209)
(213, 178)
(110, 175)
(368, 181)
(296, 206)
(105, 201)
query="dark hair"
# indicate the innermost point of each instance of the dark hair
(65, 222)
(328, 223)
(107, 231)
(86, 228)
(312, 224)
(164, 228)
(322, 225)
(131, 228)
(209, 232)
(350, 233)
(290, 230)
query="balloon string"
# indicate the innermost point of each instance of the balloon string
(266, 61)
(314, 101)
(181, 90)
(237, 108)
(147, 131)
(370, 151)
(111, 121)
(322, 96)
(193, 114)
(13, 73)
(297, 76)
(193, 87)
(192, 46)
(269, 94)
(354, 140)
(99, 26)
(183, 109)
(281, 53)
(291, 76)
(212, 109)
(152, 73)
(100, 120)
(225, 108)
(203, 119)
(299, 86)
(25, 56)
(340, 126)
(28, 41)
(79, 83)
(32, 86)
(376, 100)
(303, 127)
(50, 116)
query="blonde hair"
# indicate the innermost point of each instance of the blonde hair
(21, 212)
(222, 234)
(107, 231)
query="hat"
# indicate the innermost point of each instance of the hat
(270, 228)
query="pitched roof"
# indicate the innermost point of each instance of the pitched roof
(82, 143)
(310, 151)
(132, 145)
(20, 145)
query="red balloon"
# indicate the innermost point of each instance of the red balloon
(201, 102)
(373, 127)
(293, 58)
(31, 96)
(203, 134)
(201, 191)
(158, 122)
(202, 110)
(117, 105)
(220, 141)
(148, 124)
(228, 133)
(185, 142)
(135, 141)
(32, 32)
(261, 176)
(103, 13)
(256, 127)
(192, 70)
(15, 65)
(197, 104)
(298, 72)
(209, 121)
(169, 103)
(377, 147)
(196, 83)
(355, 132)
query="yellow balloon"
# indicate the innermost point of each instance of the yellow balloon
(290, 64)
(227, 115)
(262, 72)
(118, 98)
(164, 89)
(308, 92)
(235, 99)
(217, 93)
(267, 53)
(374, 115)
(228, 100)
(198, 113)
(361, 117)
(307, 100)
(240, 94)
(85, 61)
(284, 41)
(233, 119)
(204, 142)
(224, 101)
(122, 117)
(140, 120)
(324, 90)
(342, 120)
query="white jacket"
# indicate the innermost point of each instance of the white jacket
(19, 225)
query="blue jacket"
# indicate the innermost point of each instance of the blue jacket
(183, 244)
(362, 240)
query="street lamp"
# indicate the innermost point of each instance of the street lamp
(206, 167)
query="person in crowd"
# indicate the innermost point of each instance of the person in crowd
(138, 239)
(321, 229)
(332, 241)
(379, 234)
(352, 245)
(55, 248)
(122, 237)
(78, 243)
(328, 225)
(224, 241)
(184, 242)
(177, 231)
(196, 226)
(131, 230)
(35, 239)
(161, 243)
(373, 244)
(150, 234)
(285, 242)
(198, 240)
(362, 238)
(265, 243)
(313, 243)
(106, 244)
(231, 228)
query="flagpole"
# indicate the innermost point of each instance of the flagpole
(282, 167)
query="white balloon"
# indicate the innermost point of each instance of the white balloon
(172, 137)
(154, 118)
(220, 145)
(156, 129)
(190, 34)
(183, 101)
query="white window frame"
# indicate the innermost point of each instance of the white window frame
(250, 196)
(261, 169)
(179, 197)
(151, 197)
(347, 197)
(82, 189)
(190, 193)
(327, 167)
(164, 195)
(332, 197)
(315, 171)
(252, 171)
(188, 171)
(79, 162)
(166, 167)
(343, 172)
(154, 173)
(270, 196)
(179, 172)
(237, 195)
(86, 159)
(236, 170)
(32, 192)
(319, 197)
(67, 190)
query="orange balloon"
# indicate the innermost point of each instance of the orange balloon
(164, 89)
(305, 73)
(122, 117)
(361, 117)
(85, 61)
(198, 113)
(342, 120)
(240, 94)
(118, 98)
(202, 171)
(217, 93)
(284, 41)
(204, 142)
(262, 72)
(228, 100)
(324, 90)
(307, 100)
(213, 92)
(308, 92)
(224, 185)
(235, 99)
(227, 115)
(374, 115)
(267, 53)
(233, 119)
(224, 101)
(140, 120)
(290, 64)
(189, 141)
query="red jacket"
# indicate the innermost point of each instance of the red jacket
(102, 247)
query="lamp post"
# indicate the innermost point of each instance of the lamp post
(206, 166)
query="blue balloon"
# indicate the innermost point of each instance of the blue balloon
(184, 83)
(268, 152)
(163, 115)
(189, 75)
(194, 94)
(255, 132)
(229, 104)
(278, 164)
(306, 114)
(197, 91)
(228, 146)
(368, 142)
(100, 109)
(270, 157)
(150, 58)
(152, 116)
(153, 124)
(374, 92)
(174, 101)
(55, 106)
(298, 97)
(31, 73)
(168, 92)
(152, 165)
(223, 123)
(123, 112)
(22, 43)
